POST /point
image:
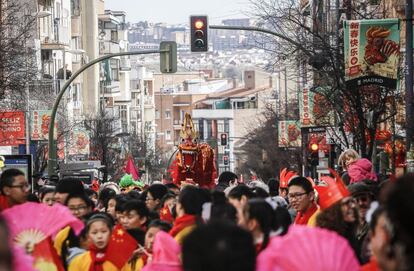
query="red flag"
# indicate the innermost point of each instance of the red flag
(131, 169)
(120, 247)
(46, 257)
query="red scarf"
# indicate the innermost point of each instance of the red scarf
(302, 219)
(98, 258)
(181, 223)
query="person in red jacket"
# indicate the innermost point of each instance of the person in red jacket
(14, 188)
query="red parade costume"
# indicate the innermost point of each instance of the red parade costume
(194, 162)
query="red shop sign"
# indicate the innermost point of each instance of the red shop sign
(12, 132)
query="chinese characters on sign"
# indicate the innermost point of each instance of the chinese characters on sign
(372, 51)
(40, 125)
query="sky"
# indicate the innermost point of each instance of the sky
(178, 11)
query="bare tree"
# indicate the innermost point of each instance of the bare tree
(104, 144)
(17, 57)
(311, 43)
(263, 155)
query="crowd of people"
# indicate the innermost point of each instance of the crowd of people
(348, 220)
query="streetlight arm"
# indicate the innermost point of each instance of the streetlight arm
(266, 31)
(51, 150)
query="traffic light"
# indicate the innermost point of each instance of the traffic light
(225, 160)
(199, 33)
(314, 154)
(223, 139)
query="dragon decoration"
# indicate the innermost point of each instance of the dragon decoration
(194, 162)
(379, 48)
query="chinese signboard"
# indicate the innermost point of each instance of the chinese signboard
(12, 128)
(289, 134)
(40, 125)
(80, 143)
(372, 50)
(306, 104)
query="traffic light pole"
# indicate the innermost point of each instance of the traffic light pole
(52, 160)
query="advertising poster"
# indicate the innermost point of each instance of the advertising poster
(12, 128)
(79, 143)
(39, 125)
(372, 51)
(289, 134)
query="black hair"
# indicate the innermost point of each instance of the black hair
(108, 198)
(302, 182)
(223, 212)
(219, 246)
(259, 192)
(91, 192)
(99, 216)
(121, 200)
(6, 255)
(171, 186)
(137, 206)
(33, 198)
(375, 216)
(273, 185)
(218, 197)
(7, 177)
(239, 191)
(263, 213)
(167, 196)
(82, 196)
(45, 190)
(157, 191)
(134, 194)
(161, 224)
(192, 199)
(226, 176)
(282, 220)
(106, 194)
(399, 207)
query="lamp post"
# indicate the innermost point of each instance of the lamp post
(52, 161)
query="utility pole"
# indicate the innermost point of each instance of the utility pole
(409, 70)
(409, 83)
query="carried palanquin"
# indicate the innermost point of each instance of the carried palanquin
(194, 162)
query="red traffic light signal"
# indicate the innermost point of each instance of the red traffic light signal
(223, 139)
(314, 147)
(199, 33)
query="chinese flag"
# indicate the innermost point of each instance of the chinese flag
(165, 214)
(46, 257)
(131, 169)
(120, 247)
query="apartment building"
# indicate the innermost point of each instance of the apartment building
(234, 112)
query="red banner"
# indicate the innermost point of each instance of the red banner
(12, 132)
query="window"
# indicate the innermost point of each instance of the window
(157, 114)
(115, 69)
(76, 92)
(167, 114)
(114, 35)
(123, 112)
(226, 126)
(220, 126)
(168, 135)
(75, 6)
(134, 114)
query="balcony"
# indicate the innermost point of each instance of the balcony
(108, 47)
(125, 64)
